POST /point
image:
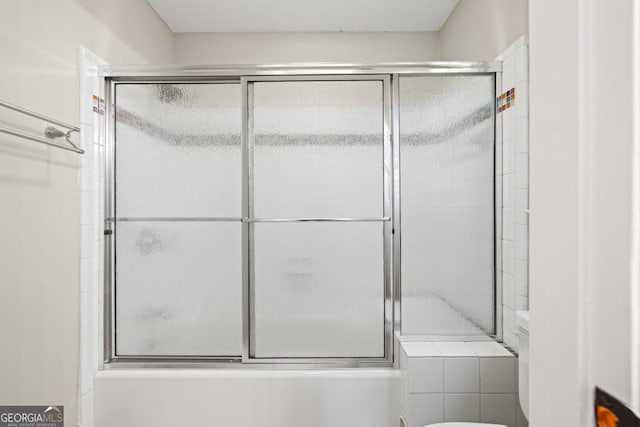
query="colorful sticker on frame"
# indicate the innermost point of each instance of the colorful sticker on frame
(506, 100)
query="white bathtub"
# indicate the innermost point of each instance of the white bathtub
(247, 398)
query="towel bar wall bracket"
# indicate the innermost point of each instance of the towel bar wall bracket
(51, 133)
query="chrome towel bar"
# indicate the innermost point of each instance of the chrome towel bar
(51, 133)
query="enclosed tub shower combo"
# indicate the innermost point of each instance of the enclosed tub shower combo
(282, 223)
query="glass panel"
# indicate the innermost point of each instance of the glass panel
(319, 290)
(178, 150)
(447, 178)
(318, 149)
(178, 289)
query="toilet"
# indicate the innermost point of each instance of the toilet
(464, 425)
(523, 374)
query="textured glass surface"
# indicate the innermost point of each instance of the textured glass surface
(447, 176)
(318, 149)
(178, 289)
(319, 290)
(178, 150)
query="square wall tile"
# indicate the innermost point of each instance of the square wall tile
(509, 336)
(521, 55)
(420, 349)
(508, 69)
(522, 100)
(498, 409)
(86, 377)
(509, 290)
(498, 375)
(499, 156)
(86, 174)
(508, 257)
(509, 318)
(462, 408)
(454, 349)
(522, 135)
(85, 138)
(461, 375)
(508, 190)
(403, 360)
(522, 170)
(87, 271)
(425, 375)
(488, 349)
(508, 224)
(86, 408)
(522, 205)
(88, 302)
(509, 156)
(86, 241)
(522, 242)
(509, 121)
(522, 303)
(522, 277)
(424, 409)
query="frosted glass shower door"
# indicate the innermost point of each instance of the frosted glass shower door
(447, 204)
(317, 230)
(177, 229)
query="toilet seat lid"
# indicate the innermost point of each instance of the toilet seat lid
(464, 425)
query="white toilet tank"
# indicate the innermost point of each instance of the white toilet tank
(523, 360)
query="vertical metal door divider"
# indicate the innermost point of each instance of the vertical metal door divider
(397, 234)
(246, 226)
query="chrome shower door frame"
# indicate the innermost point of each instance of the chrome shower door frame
(246, 75)
(248, 356)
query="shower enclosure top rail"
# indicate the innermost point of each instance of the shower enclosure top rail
(306, 68)
(50, 132)
(243, 219)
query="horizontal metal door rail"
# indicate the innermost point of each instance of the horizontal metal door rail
(175, 219)
(251, 220)
(238, 219)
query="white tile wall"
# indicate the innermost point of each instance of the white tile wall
(498, 375)
(488, 349)
(448, 381)
(498, 409)
(514, 174)
(426, 375)
(424, 409)
(461, 375)
(91, 218)
(462, 407)
(454, 349)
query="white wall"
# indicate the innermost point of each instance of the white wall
(273, 48)
(482, 29)
(582, 300)
(611, 122)
(40, 248)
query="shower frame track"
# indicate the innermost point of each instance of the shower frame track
(245, 75)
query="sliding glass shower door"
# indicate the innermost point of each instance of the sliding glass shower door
(178, 271)
(252, 229)
(317, 218)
